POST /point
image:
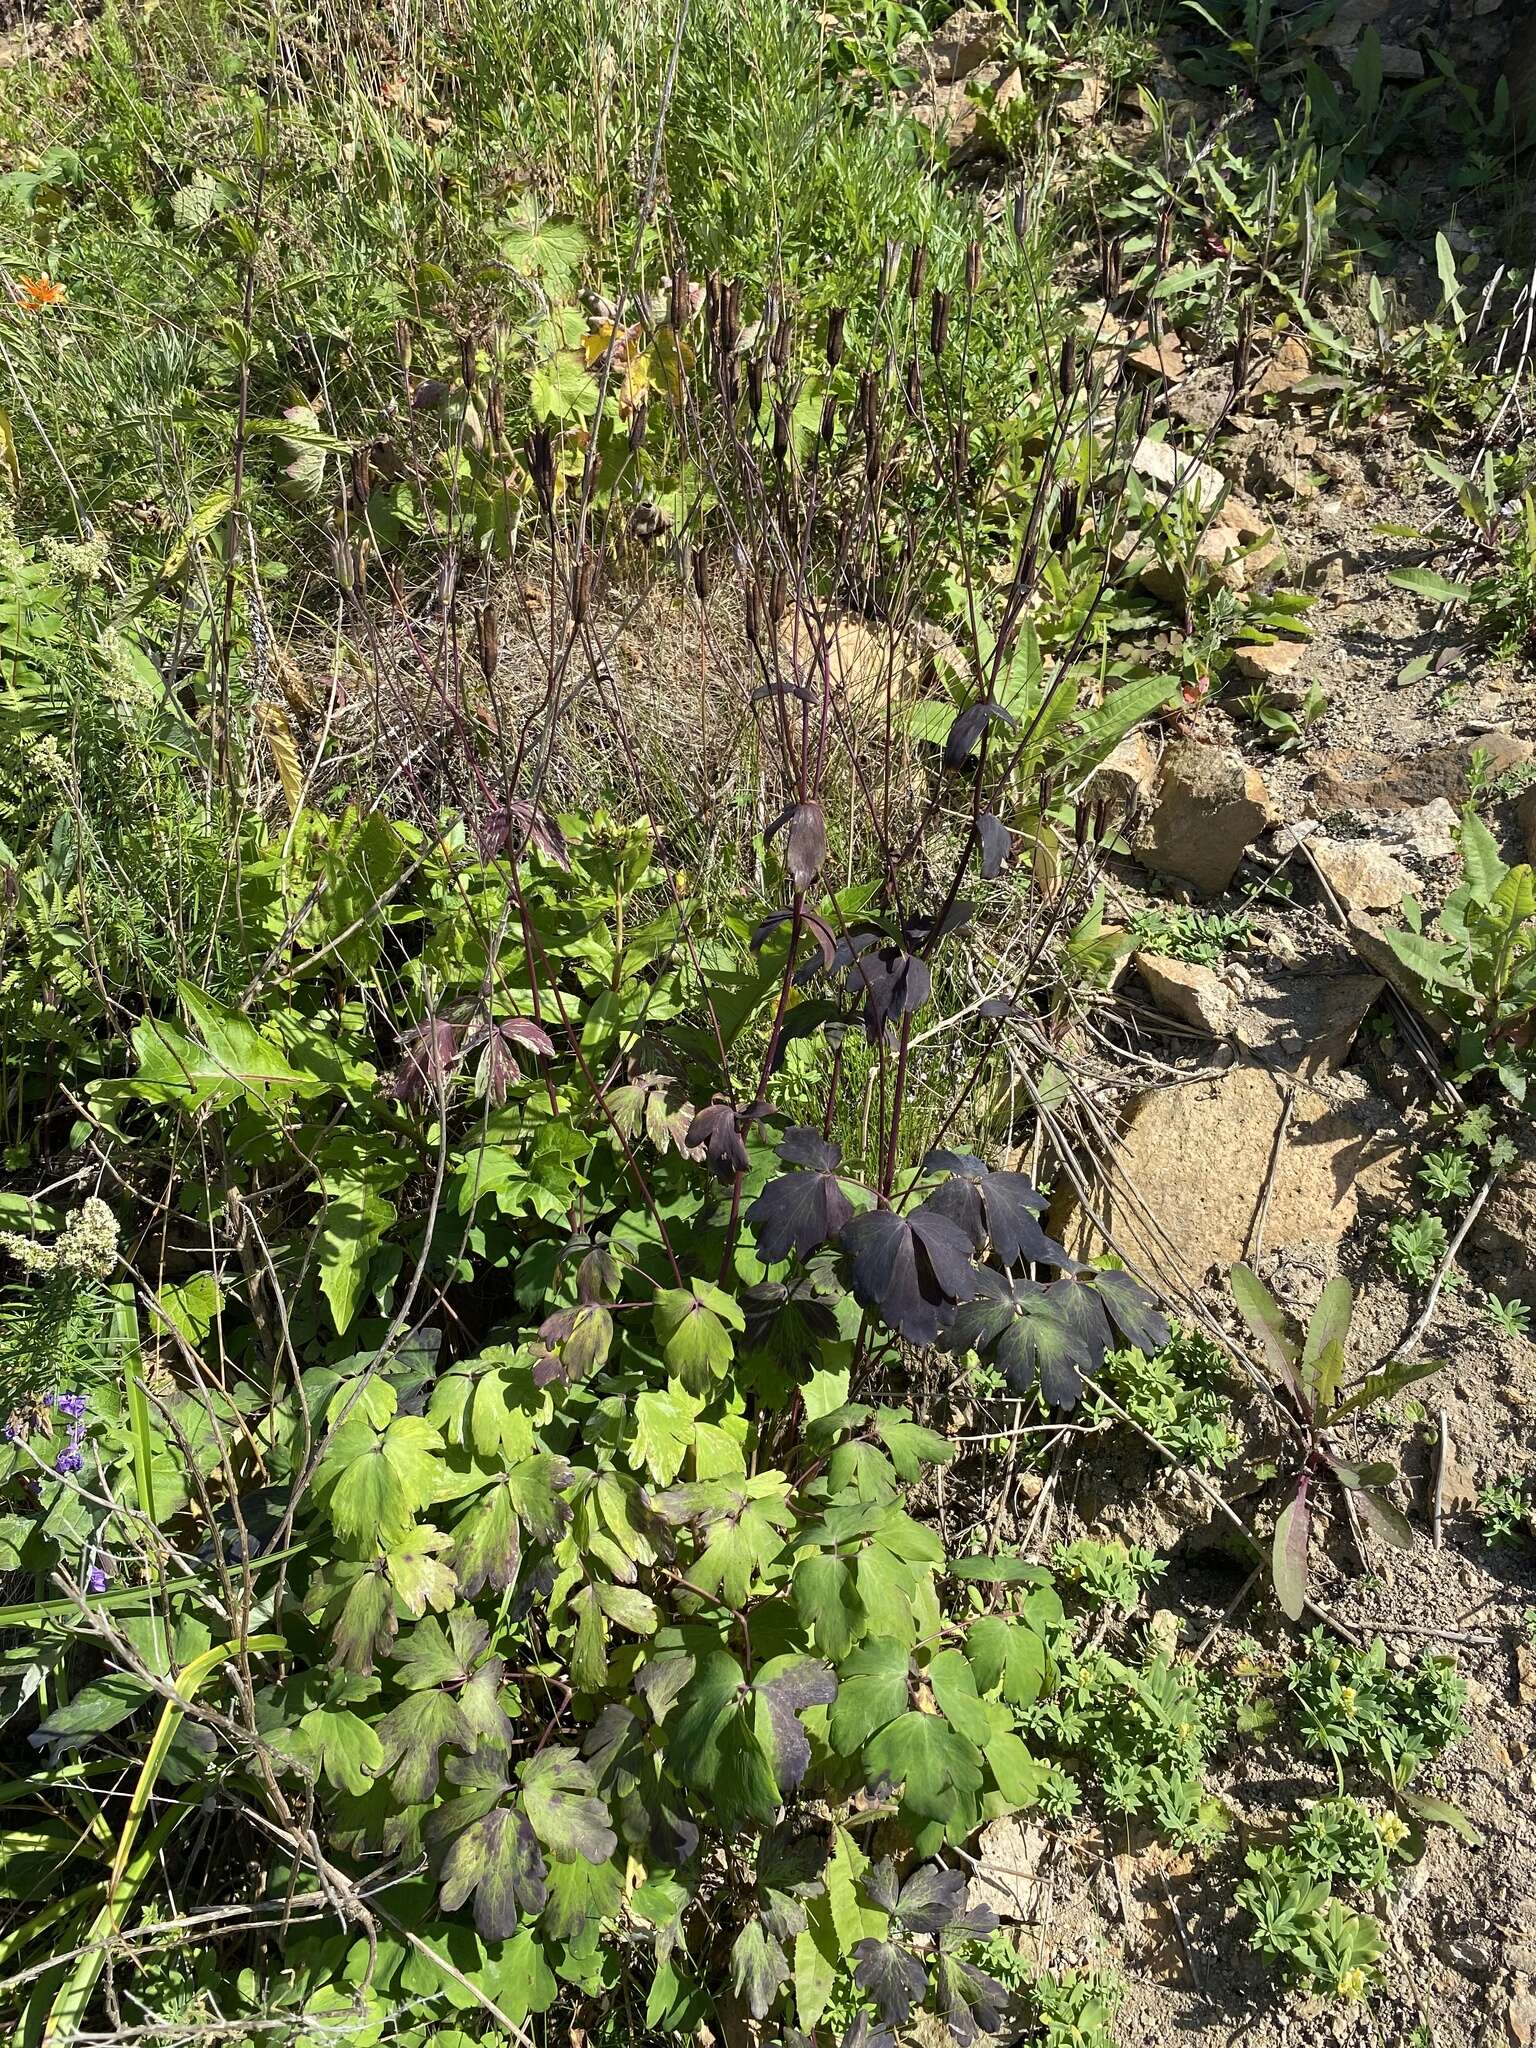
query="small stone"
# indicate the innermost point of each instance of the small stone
(1267, 664)
(1286, 368)
(1126, 777)
(961, 46)
(1175, 473)
(1362, 875)
(1083, 99)
(1521, 2017)
(1193, 994)
(1158, 361)
(1210, 807)
(1400, 63)
(1005, 1875)
(1428, 832)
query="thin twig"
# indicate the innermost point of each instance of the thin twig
(1415, 1335)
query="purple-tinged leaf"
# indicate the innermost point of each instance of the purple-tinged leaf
(895, 1980)
(996, 1209)
(513, 827)
(1000, 1007)
(803, 1145)
(909, 1269)
(716, 1132)
(497, 1859)
(1288, 1559)
(431, 1053)
(564, 1810)
(930, 1899)
(1052, 1334)
(805, 843)
(965, 734)
(893, 984)
(924, 931)
(528, 1032)
(994, 839)
(758, 1968)
(1384, 1518)
(798, 1213)
(819, 930)
(784, 1695)
(413, 1735)
(1132, 1310)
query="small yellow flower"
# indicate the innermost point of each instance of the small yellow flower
(39, 293)
(1352, 1983)
(1347, 1698)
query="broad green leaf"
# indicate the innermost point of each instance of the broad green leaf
(1480, 856)
(664, 1426)
(414, 1734)
(351, 1228)
(953, 1684)
(872, 1691)
(934, 1763)
(560, 1795)
(828, 1606)
(382, 1478)
(339, 1743)
(1426, 583)
(694, 1324)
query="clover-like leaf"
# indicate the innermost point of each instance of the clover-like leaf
(799, 1212)
(909, 1269)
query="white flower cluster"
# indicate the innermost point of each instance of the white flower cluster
(86, 1248)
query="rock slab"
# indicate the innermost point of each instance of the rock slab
(1210, 807)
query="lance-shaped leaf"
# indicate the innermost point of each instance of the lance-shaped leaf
(1054, 1333)
(497, 1860)
(560, 1796)
(1384, 1518)
(1261, 1312)
(805, 843)
(965, 734)
(784, 1688)
(893, 1978)
(1288, 1561)
(909, 1269)
(811, 926)
(995, 1209)
(413, 1735)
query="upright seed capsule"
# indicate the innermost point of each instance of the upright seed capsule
(679, 307)
(487, 641)
(778, 595)
(1021, 215)
(701, 575)
(752, 616)
(938, 322)
(917, 270)
(837, 320)
(972, 268)
(1067, 379)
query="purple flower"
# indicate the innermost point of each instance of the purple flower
(68, 1461)
(95, 1580)
(72, 1405)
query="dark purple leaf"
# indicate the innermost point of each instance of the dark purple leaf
(575, 1340)
(930, 1899)
(995, 840)
(965, 734)
(525, 1031)
(820, 931)
(758, 1967)
(924, 931)
(895, 1980)
(893, 984)
(1052, 1333)
(715, 1132)
(909, 1269)
(862, 2033)
(1000, 1006)
(803, 1145)
(514, 827)
(497, 1858)
(996, 1209)
(1132, 1310)
(972, 2002)
(798, 1212)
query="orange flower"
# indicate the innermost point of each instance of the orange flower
(39, 293)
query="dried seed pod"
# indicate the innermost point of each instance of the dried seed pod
(869, 405)
(890, 259)
(539, 449)
(487, 641)
(782, 424)
(403, 347)
(778, 595)
(1066, 517)
(914, 387)
(362, 475)
(755, 372)
(469, 363)
(828, 419)
(360, 567)
(938, 322)
(637, 425)
(1066, 381)
(837, 320)
(917, 271)
(1114, 268)
(581, 591)
(1021, 212)
(752, 616)
(1164, 238)
(702, 578)
(769, 324)
(679, 303)
(712, 305)
(972, 268)
(783, 341)
(730, 314)
(1144, 409)
(495, 415)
